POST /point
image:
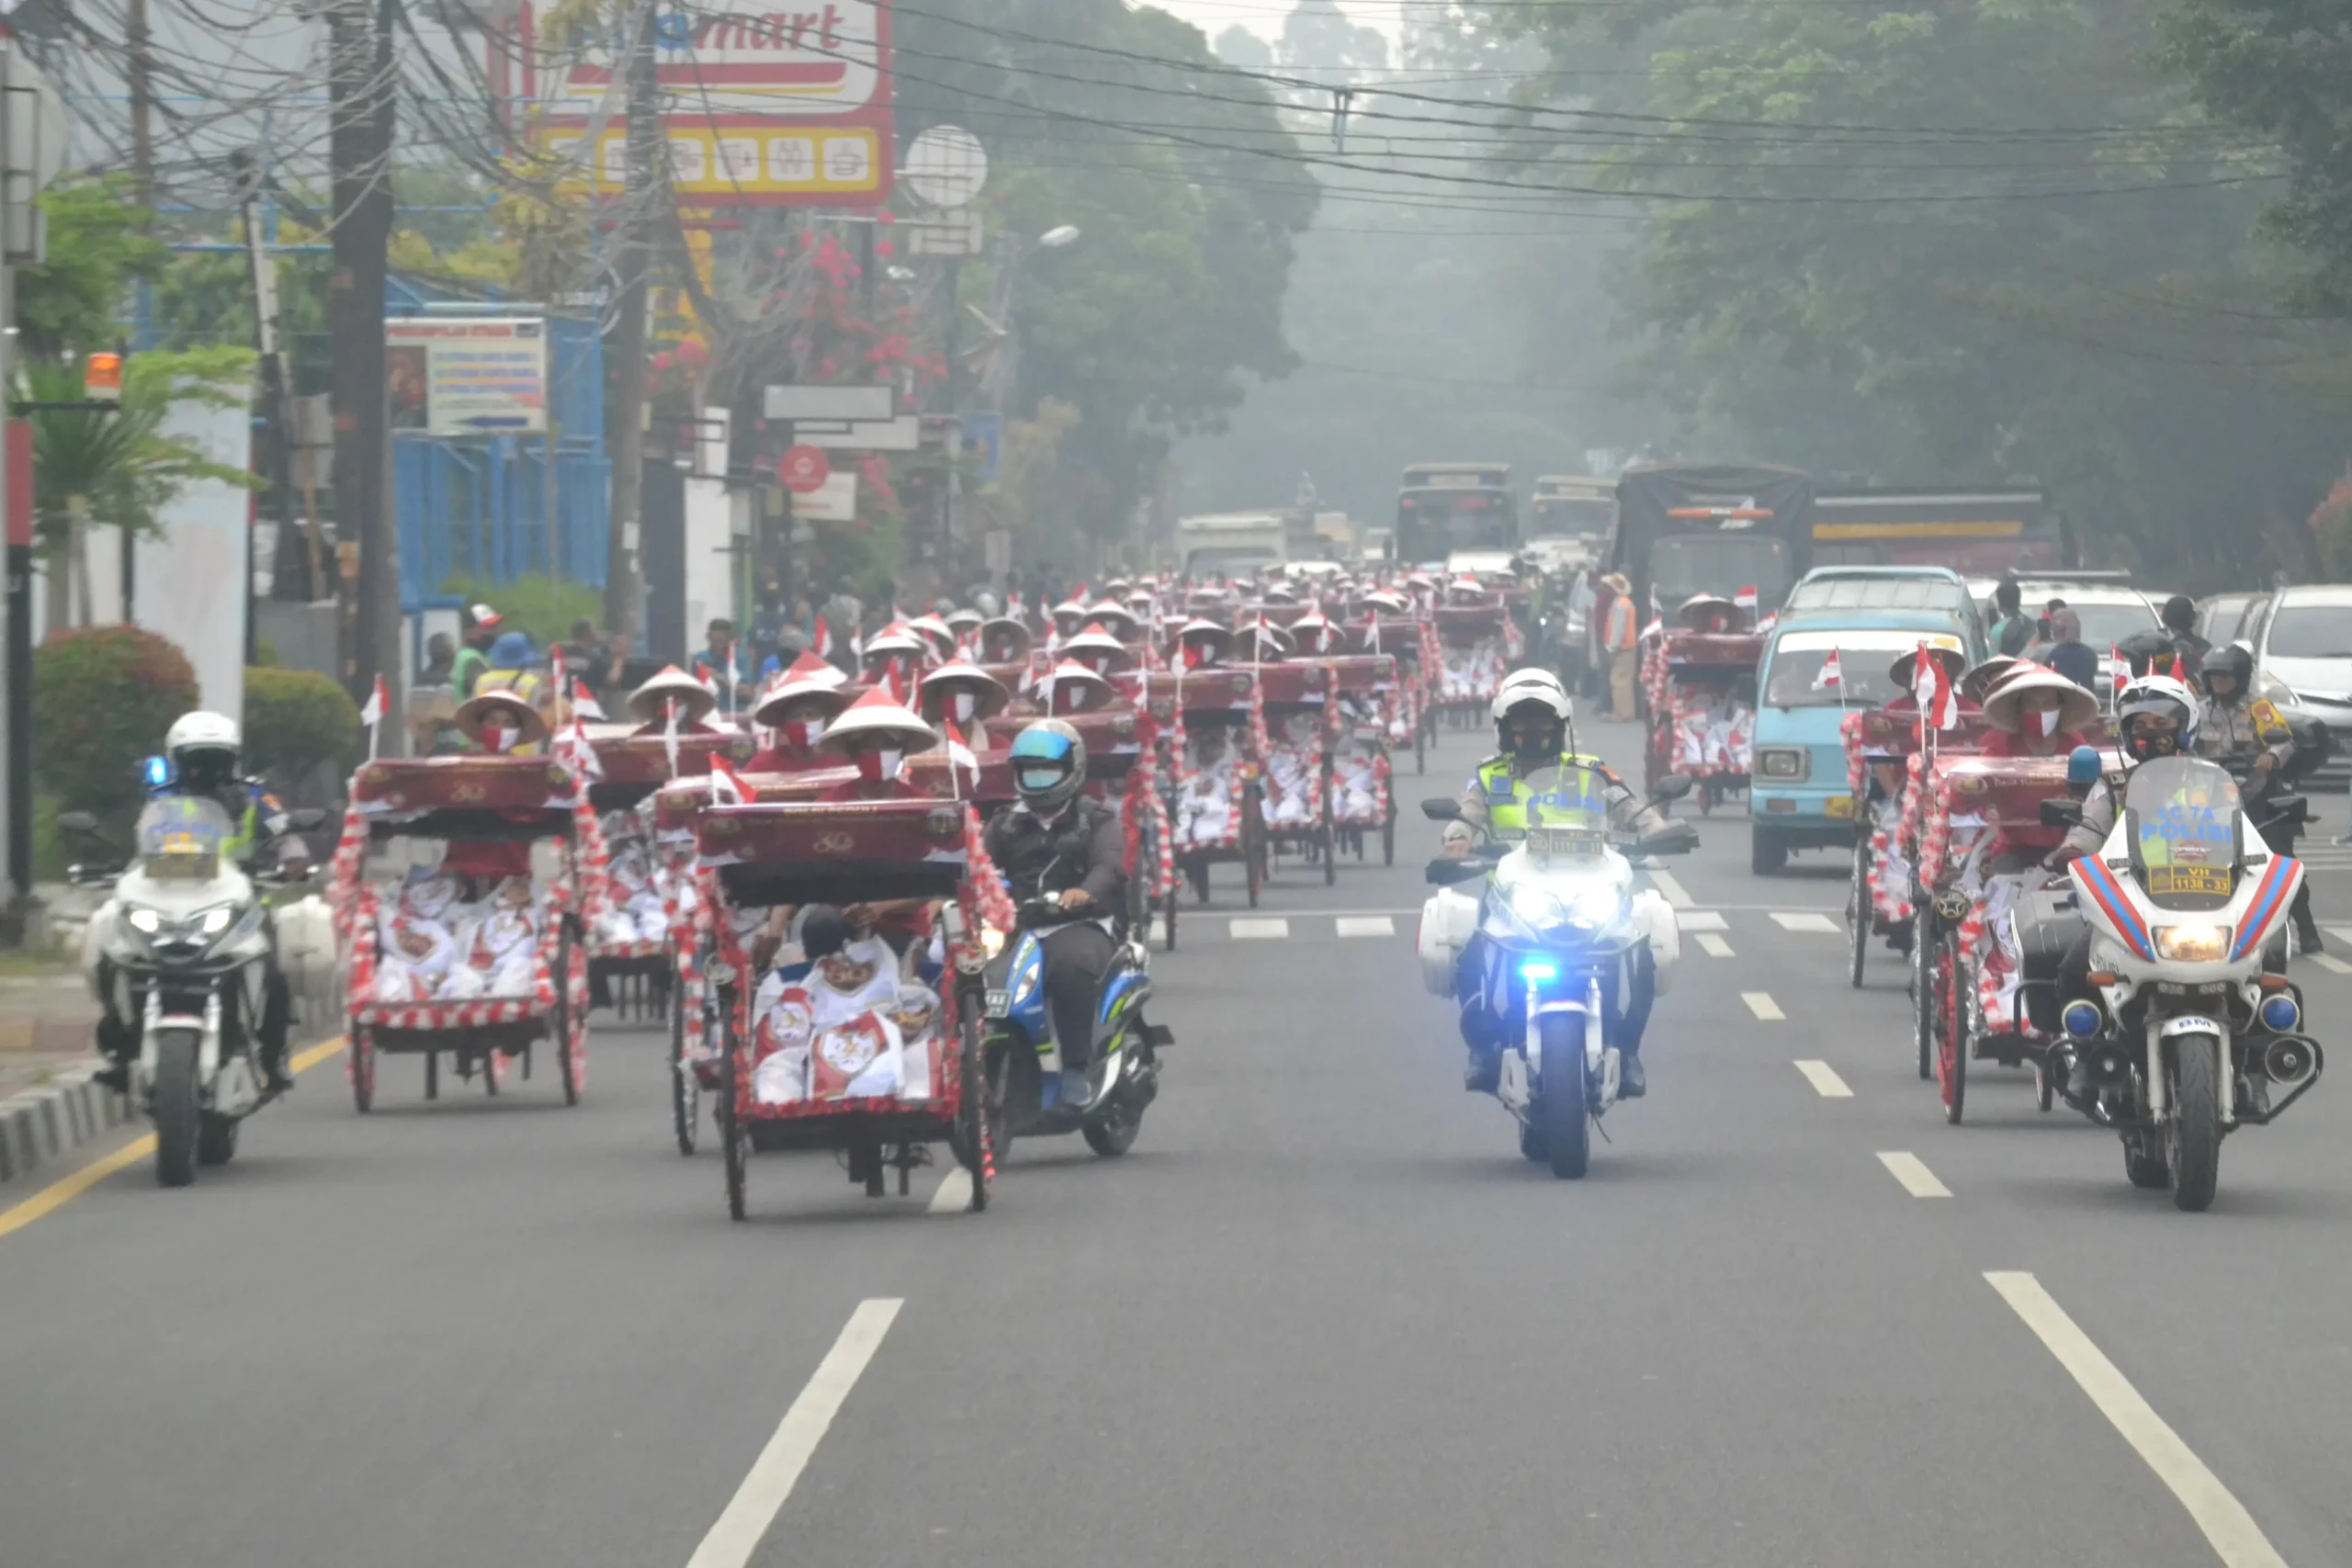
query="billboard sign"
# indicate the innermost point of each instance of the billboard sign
(759, 107)
(467, 375)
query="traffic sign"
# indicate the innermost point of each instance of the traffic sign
(804, 470)
(946, 166)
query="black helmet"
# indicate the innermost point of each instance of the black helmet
(2230, 660)
(2180, 612)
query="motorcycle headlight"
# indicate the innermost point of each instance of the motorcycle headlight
(212, 923)
(146, 922)
(2193, 944)
(1031, 972)
(992, 942)
(1594, 907)
(1539, 907)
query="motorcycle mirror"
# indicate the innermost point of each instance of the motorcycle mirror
(1442, 808)
(82, 822)
(2062, 814)
(1674, 839)
(1674, 786)
(1445, 873)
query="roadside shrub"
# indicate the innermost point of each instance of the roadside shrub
(535, 603)
(102, 697)
(295, 719)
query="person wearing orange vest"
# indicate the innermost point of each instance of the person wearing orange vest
(1619, 630)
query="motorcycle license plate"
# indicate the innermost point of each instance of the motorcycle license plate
(1565, 842)
(2211, 881)
(1000, 1004)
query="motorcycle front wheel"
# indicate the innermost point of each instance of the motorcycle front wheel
(2193, 1134)
(1568, 1130)
(172, 1106)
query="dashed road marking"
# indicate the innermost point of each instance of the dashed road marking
(955, 1193)
(736, 1536)
(1913, 1172)
(2230, 1530)
(1663, 882)
(2341, 933)
(1791, 921)
(1825, 1081)
(1367, 925)
(1700, 921)
(1761, 1004)
(2329, 962)
(1712, 946)
(1246, 929)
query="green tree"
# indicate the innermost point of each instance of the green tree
(98, 246)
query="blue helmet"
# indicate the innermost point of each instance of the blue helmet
(1048, 764)
(2083, 768)
(513, 650)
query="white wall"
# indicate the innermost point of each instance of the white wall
(191, 580)
(711, 562)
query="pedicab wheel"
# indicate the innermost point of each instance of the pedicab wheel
(734, 1138)
(1420, 749)
(561, 1026)
(1923, 1034)
(433, 1075)
(1167, 920)
(1858, 913)
(1389, 838)
(494, 1070)
(1253, 848)
(2045, 1083)
(1567, 1129)
(1951, 1049)
(685, 1094)
(363, 1068)
(1331, 855)
(976, 1119)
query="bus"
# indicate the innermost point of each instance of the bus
(1977, 531)
(1445, 507)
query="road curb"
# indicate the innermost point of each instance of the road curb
(43, 1124)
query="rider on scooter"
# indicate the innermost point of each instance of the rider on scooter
(1056, 844)
(1533, 725)
(204, 750)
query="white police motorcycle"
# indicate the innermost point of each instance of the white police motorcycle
(1566, 946)
(2192, 1034)
(181, 950)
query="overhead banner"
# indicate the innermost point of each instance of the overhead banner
(467, 375)
(759, 107)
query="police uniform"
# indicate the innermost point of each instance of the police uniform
(1495, 798)
(2242, 726)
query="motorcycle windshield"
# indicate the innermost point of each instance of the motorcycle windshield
(181, 838)
(2180, 817)
(1567, 812)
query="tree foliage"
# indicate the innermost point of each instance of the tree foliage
(98, 246)
(103, 698)
(118, 467)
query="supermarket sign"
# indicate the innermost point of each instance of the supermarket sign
(760, 105)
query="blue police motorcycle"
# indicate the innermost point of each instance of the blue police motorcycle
(1024, 1062)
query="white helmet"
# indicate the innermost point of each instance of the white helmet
(203, 749)
(1531, 684)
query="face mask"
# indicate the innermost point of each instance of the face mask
(967, 704)
(803, 732)
(2045, 723)
(498, 737)
(878, 767)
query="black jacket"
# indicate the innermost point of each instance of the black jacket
(1082, 848)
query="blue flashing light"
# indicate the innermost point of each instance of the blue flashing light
(2082, 1020)
(1536, 969)
(158, 771)
(2280, 1015)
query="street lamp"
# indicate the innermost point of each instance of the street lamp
(1061, 235)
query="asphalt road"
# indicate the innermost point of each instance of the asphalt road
(1322, 1314)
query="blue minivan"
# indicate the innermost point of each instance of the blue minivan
(1869, 617)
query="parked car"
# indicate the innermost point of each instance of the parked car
(2302, 661)
(2226, 617)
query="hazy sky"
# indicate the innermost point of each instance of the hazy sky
(1264, 18)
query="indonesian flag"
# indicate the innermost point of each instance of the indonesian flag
(2119, 669)
(709, 682)
(555, 668)
(583, 701)
(894, 681)
(1931, 685)
(824, 636)
(1745, 598)
(379, 703)
(960, 756)
(727, 786)
(670, 733)
(1831, 675)
(1372, 631)
(573, 743)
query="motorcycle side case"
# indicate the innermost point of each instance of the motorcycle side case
(1654, 917)
(306, 944)
(97, 932)
(1448, 919)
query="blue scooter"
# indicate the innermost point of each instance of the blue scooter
(1025, 1065)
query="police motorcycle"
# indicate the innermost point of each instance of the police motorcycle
(1024, 1062)
(184, 945)
(2195, 1030)
(1565, 943)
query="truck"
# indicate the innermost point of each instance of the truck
(1978, 531)
(1232, 544)
(1686, 528)
(1445, 507)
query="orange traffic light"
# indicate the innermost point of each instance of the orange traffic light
(101, 377)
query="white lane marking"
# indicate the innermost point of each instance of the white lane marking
(1712, 946)
(1789, 922)
(1245, 929)
(1663, 882)
(2341, 933)
(955, 1194)
(2229, 1529)
(1761, 1004)
(1824, 1080)
(1367, 925)
(2329, 962)
(1700, 921)
(747, 1515)
(1913, 1172)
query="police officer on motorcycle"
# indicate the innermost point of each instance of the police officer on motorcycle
(1533, 725)
(2235, 726)
(204, 750)
(1056, 844)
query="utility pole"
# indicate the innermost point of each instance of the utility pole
(291, 569)
(139, 74)
(642, 187)
(361, 84)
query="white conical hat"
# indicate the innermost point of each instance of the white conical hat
(878, 714)
(695, 699)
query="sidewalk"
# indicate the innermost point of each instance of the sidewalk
(48, 1105)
